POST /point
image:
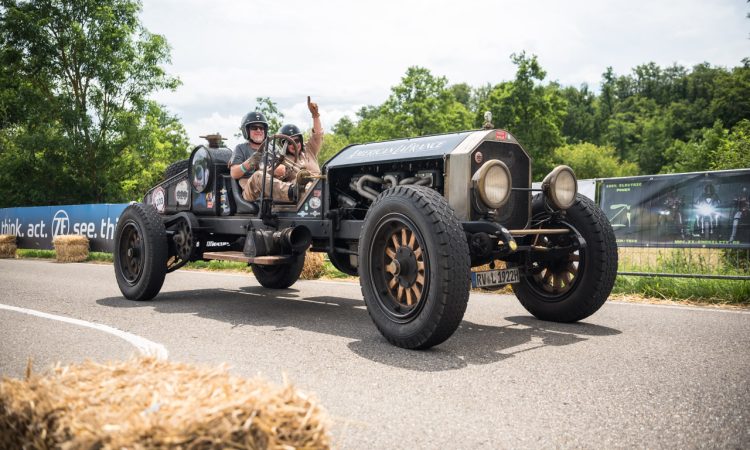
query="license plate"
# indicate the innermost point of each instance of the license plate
(494, 277)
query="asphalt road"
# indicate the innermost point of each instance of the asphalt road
(629, 376)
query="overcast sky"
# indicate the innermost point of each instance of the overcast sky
(347, 54)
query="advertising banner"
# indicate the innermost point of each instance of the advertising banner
(35, 227)
(706, 209)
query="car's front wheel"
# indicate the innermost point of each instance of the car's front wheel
(414, 267)
(567, 286)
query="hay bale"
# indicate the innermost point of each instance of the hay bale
(71, 248)
(313, 268)
(149, 403)
(7, 246)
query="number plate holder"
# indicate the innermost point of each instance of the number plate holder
(491, 278)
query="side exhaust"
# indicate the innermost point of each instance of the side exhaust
(292, 240)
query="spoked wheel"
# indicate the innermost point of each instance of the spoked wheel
(401, 246)
(555, 278)
(140, 252)
(566, 283)
(414, 267)
(183, 245)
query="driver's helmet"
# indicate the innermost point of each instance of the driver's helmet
(293, 131)
(251, 118)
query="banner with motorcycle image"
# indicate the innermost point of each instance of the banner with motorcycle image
(706, 209)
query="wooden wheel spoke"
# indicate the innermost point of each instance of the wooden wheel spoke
(412, 240)
(547, 276)
(404, 240)
(572, 270)
(391, 268)
(390, 252)
(408, 297)
(392, 284)
(400, 293)
(419, 280)
(394, 238)
(418, 252)
(420, 266)
(417, 292)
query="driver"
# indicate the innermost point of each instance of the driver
(246, 157)
(303, 157)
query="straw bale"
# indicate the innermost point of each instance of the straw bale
(148, 403)
(71, 248)
(7, 238)
(7, 250)
(313, 268)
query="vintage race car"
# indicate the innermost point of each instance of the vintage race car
(410, 217)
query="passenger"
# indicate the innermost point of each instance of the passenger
(304, 157)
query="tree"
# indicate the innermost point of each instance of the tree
(532, 112)
(590, 161)
(421, 104)
(268, 108)
(82, 72)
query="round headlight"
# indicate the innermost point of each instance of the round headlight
(493, 182)
(561, 187)
(200, 172)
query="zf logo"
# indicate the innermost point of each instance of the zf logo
(60, 223)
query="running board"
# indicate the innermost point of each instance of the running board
(240, 257)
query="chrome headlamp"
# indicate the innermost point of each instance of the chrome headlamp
(493, 183)
(560, 187)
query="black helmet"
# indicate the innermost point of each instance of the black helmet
(292, 130)
(251, 118)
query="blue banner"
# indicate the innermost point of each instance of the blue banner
(36, 226)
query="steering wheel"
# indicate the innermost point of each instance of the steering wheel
(287, 142)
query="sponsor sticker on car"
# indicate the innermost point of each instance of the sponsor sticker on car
(497, 277)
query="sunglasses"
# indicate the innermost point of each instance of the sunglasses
(256, 128)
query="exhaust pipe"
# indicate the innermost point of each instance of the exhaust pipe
(272, 242)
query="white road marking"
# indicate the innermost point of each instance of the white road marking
(144, 346)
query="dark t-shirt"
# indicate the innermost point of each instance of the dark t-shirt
(242, 152)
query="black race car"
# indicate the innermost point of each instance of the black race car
(410, 217)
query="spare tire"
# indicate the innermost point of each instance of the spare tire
(175, 168)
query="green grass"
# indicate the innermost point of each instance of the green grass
(50, 254)
(696, 289)
(219, 265)
(331, 272)
(688, 261)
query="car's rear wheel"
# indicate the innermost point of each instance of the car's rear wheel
(576, 283)
(141, 252)
(279, 276)
(414, 267)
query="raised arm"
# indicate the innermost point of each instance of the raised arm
(316, 140)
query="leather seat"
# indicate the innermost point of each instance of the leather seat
(242, 206)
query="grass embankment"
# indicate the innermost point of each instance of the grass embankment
(685, 261)
(691, 290)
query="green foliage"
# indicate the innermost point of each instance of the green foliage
(421, 104)
(332, 143)
(530, 111)
(715, 148)
(591, 161)
(74, 108)
(269, 109)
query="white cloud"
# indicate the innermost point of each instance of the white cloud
(348, 54)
